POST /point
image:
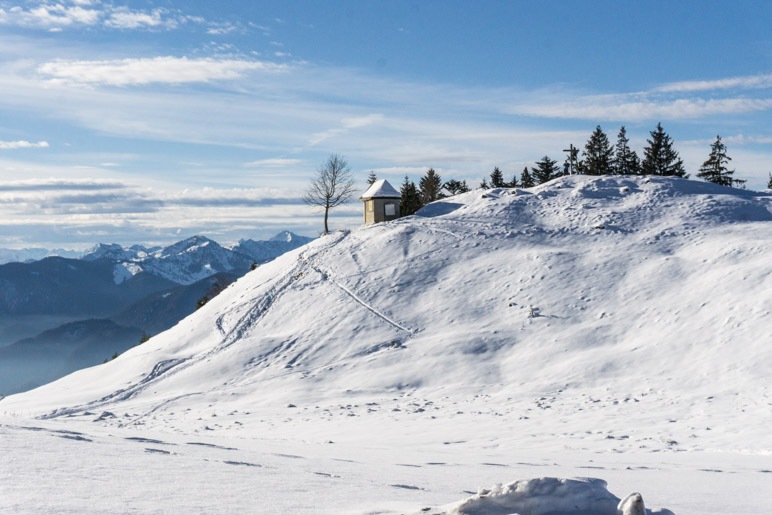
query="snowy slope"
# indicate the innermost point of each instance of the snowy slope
(612, 320)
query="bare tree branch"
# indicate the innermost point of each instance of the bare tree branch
(332, 186)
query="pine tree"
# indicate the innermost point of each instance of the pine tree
(497, 178)
(660, 158)
(372, 178)
(454, 187)
(597, 154)
(626, 161)
(411, 200)
(513, 183)
(769, 183)
(545, 170)
(430, 187)
(526, 181)
(715, 169)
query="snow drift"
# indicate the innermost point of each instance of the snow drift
(550, 496)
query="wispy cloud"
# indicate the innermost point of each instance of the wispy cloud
(221, 28)
(59, 185)
(13, 145)
(141, 71)
(125, 18)
(745, 82)
(65, 14)
(346, 125)
(621, 109)
(274, 163)
(742, 139)
(90, 210)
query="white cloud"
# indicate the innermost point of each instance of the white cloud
(12, 145)
(167, 69)
(50, 184)
(274, 163)
(221, 28)
(746, 82)
(621, 109)
(346, 125)
(125, 18)
(55, 16)
(742, 139)
(357, 122)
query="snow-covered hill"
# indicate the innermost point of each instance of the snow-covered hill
(613, 324)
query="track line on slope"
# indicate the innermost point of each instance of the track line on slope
(359, 300)
(167, 368)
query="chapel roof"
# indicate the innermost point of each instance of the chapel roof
(380, 189)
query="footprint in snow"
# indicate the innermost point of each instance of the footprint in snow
(325, 474)
(243, 463)
(147, 440)
(213, 446)
(407, 487)
(150, 450)
(289, 456)
(75, 437)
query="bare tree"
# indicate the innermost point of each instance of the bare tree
(332, 186)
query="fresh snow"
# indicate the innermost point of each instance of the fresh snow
(548, 496)
(123, 271)
(615, 328)
(380, 189)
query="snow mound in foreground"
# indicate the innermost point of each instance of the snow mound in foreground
(547, 496)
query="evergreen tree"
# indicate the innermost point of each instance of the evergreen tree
(769, 183)
(484, 184)
(497, 178)
(597, 154)
(715, 169)
(430, 187)
(526, 181)
(659, 158)
(545, 170)
(626, 161)
(454, 187)
(372, 178)
(411, 200)
(513, 183)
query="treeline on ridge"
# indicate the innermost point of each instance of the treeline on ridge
(599, 157)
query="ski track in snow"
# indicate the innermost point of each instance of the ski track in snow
(255, 311)
(356, 298)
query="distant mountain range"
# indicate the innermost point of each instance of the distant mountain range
(105, 300)
(34, 254)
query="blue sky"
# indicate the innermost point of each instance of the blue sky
(149, 122)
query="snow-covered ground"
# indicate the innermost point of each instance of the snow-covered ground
(613, 328)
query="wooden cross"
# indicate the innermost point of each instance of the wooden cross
(572, 151)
